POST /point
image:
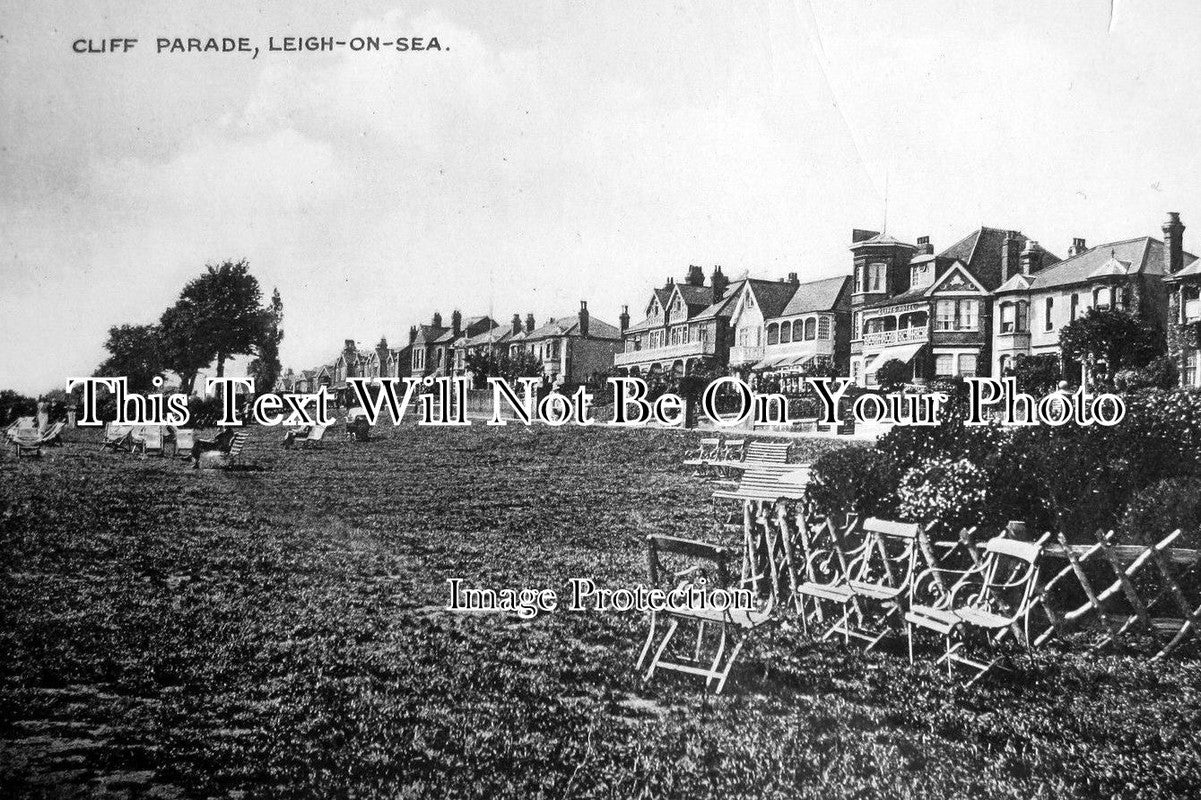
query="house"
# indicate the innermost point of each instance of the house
(1034, 305)
(930, 311)
(573, 349)
(686, 328)
(1183, 323)
(784, 327)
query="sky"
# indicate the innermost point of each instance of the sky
(556, 151)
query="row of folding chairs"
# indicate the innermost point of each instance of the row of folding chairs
(148, 439)
(861, 583)
(24, 436)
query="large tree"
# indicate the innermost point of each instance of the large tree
(224, 309)
(1108, 340)
(135, 353)
(184, 352)
(265, 367)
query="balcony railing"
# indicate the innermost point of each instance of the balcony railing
(898, 336)
(746, 355)
(663, 353)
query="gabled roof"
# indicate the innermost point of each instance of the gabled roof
(490, 336)
(724, 306)
(823, 295)
(570, 326)
(1144, 255)
(429, 334)
(695, 296)
(447, 336)
(980, 250)
(771, 296)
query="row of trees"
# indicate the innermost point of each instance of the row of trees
(218, 315)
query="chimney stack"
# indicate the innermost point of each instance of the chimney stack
(720, 283)
(1031, 258)
(529, 323)
(1173, 244)
(456, 322)
(516, 324)
(1010, 251)
(1077, 247)
(584, 318)
(349, 346)
(696, 276)
(412, 333)
(437, 320)
(624, 319)
(793, 279)
(381, 352)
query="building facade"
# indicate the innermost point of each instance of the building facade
(686, 328)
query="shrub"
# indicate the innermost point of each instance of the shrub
(943, 494)
(892, 375)
(1037, 375)
(854, 479)
(1161, 508)
(1159, 374)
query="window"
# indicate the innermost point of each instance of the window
(1048, 324)
(1191, 305)
(1023, 316)
(1191, 365)
(637, 343)
(810, 329)
(823, 328)
(1127, 297)
(1075, 306)
(1008, 317)
(856, 366)
(785, 332)
(773, 334)
(957, 315)
(1103, 297)
(857, 331)
(967, 364)
(858, 278)
(944, 364)
(875, 277)
(919, 275)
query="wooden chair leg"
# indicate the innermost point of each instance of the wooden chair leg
(671, 631)
(650, 637)
(730, 664)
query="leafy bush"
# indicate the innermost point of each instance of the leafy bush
(854, 480)
(892, 375)
(946, 495)
(1158, 374)
(1163, 507)
(1037, 375)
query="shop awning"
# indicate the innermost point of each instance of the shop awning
(902, 352)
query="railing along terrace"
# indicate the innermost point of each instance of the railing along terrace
(898, 336)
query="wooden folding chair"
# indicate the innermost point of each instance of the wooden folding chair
(871, 583)
(117, 437)
(732, 626)
(149, 440)
(315, 436)
(184, 440)
(991, 598)
(708, 452)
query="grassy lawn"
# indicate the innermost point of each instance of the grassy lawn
(280, 632)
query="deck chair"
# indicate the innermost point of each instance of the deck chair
(870, 584)
(225, 459)
(53, 436)
(183, 439)
(730, 627)
(149, 440)
(315, 436)
(24, 444)
(989, 599)
(117, 437)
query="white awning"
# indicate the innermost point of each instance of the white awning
(902, 352)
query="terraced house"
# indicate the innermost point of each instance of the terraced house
(1034, 305)
(930, 311)
(433, 346)
(686, 326)
(787, 328)
(573, 349)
